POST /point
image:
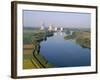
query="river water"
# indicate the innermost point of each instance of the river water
(64, 53)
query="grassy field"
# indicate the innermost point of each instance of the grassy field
(29, 61)
(81, 37)
(27, 56)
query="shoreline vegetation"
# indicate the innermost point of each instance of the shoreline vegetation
(32, 56)
(81, 37)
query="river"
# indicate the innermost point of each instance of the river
(64, 53)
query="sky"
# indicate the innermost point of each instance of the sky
(33, 18)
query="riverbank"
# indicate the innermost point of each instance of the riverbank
(82, 38)
(32, 57)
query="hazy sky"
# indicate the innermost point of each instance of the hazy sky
(57, 19)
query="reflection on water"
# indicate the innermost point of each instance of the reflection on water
(59, 33)
(64, 53)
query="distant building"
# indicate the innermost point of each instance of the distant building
(50, 28)
(55, 29)
(61, 29)
(42, 28)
